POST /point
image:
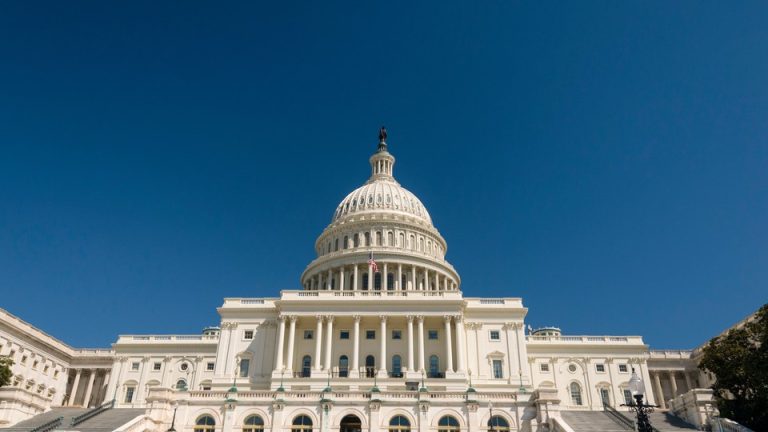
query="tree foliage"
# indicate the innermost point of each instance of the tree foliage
(739, 361)
(5, 370)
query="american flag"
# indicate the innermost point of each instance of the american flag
(372, 263)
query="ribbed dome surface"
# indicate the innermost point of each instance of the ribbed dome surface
(382, 195)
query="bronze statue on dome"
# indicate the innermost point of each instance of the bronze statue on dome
(382, 134)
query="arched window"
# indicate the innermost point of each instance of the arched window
(378, 238)
(181, 385)
(346, 242)
(329, 248)
(356, 240)
(399, 424)
(253, 423)
(301, 423)
(390, 281)
(370, 366)
(390, 239)
(421, 244)
(434, 366)
(447, 424)
(336, 245)
(401, 241)
(365, 281)
(575, 393)
(404, 282)
(333, 283)
(412, 242)
(498, 424)
(205, 423)
(306, 366)
(343, 366)
(397, 367)
(377, 281)
(367, 239)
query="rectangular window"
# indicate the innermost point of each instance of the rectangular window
(495, 335)
(244, 365)
(210, 366)
(135, 366)
(45, 369)
(544, 367)
(34, 364)
(433, 335)
(627, 397)
(344, 334)
(248, 334)
(623, 368)
(23, 359)
(206, 387)
(370, 334)
(600, 367)
(309, 334)
(498, 371)
(56, 373)
(397, 334)
(129, 394)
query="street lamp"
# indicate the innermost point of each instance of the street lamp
(173, 422)
(637, 388)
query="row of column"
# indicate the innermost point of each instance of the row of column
(671, 376)
(419, 278)
(100, 391)
(383, 338)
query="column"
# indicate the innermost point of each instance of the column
(318, 341)
(354, 278)
(659, 393)
(329, 282)
(413, 278)
(280, 344)
(448, 345)
(341, 279)
(73, 392)
(329, 342)
(291, 338)
(410, 343)
(384, 281)
(437, 282)
(461, 349)
(687, 381)
(103, 396)
(445, 283)
(674, 384)
(370, 277)
(356, 345)
(383, 347)
(421, 343)
(89, 389)
(399, 282)
(140, 389)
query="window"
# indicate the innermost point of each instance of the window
(365, 281)
(23, 359)
(210, 366)
(605, 397)
(206, 387)
(301, 423)
(336, 245)
(244, 365)
(370, 366)
(544, 367)
(156, 366)
(343, 366)
(600, 367)
(399, 424)
(447, 424)
(34, 364)
(253, 423)
(575, 393)
(205, 423)
(367, 239)
(346, 242)
(623, 368)
(495, 335)
(343, 334)
(309, 334)
(390, 281)
(184, 366)
(129, 394)
(248, 334)
(356, 240)
(433, 335)
(627, 396)
(434, 367)
(397, 366)
(498, 369)
(377, 281)
(56, 373)
(572, 368)
(370, 334)
(397, 334)
(498, 424)
(181, 385)
(135, 366)
(306, 366)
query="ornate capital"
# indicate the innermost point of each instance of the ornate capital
(410, 318)
(447, 319)
(293, 318)
(329, 318)
(320, 318)
(383, 318)
(356, 318)
(420, 318)
(458, 319)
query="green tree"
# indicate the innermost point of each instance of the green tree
(739, 361)
(5, 370)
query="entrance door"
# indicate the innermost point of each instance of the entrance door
(604, 396)
(350, 423)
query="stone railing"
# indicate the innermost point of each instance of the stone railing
(670, 354)
(349, 395)
(720, 424)
(374, 295)
(629, 340)
(697, 406)
(166, 338)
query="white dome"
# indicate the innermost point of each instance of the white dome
(382, 195)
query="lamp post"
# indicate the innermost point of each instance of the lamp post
(173, 422)
(637, 388)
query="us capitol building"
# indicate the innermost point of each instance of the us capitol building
(380, 337)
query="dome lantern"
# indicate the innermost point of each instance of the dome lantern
(382, 162)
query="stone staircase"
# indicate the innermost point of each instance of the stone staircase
(106, 421)
(41, 419)
(666, 422)
(592, 421)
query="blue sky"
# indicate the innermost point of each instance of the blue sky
(606, 161)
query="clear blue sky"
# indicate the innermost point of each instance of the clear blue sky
(606, 161)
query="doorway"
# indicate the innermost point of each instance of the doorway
(350, 423)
